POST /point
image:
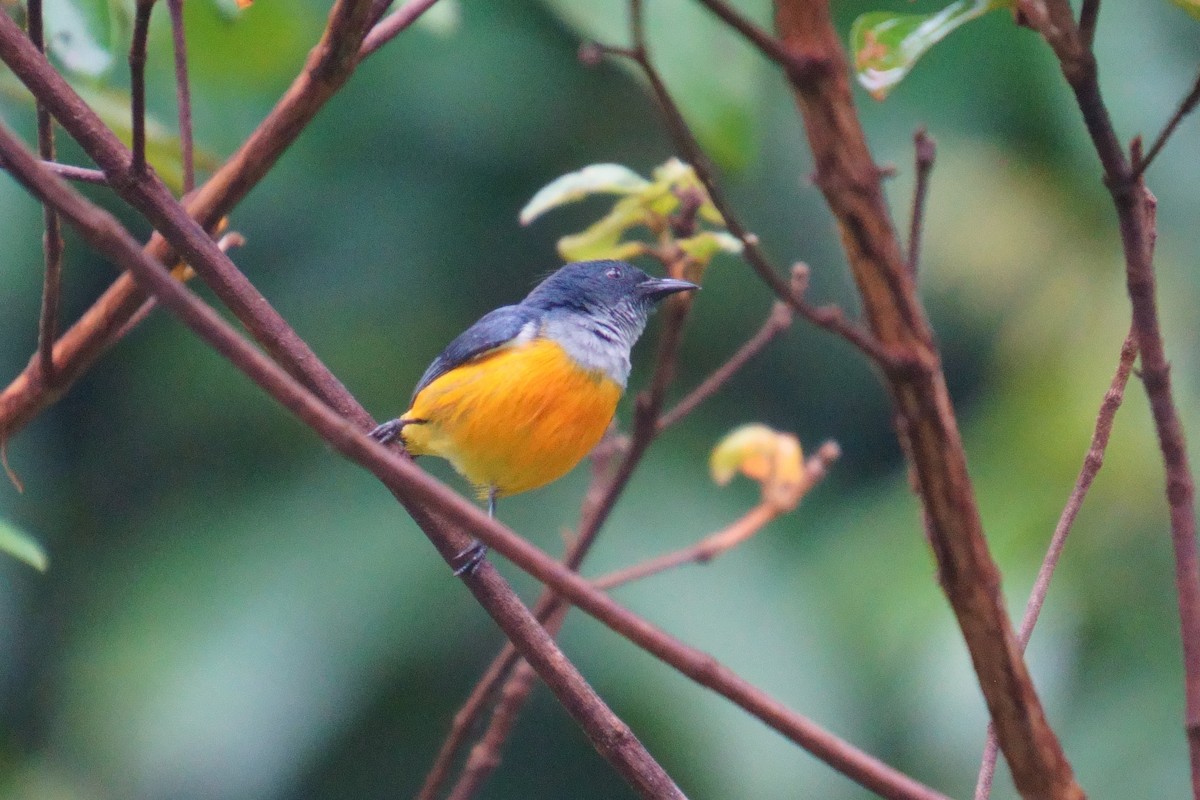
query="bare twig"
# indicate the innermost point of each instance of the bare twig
(1135, 219)
(412, 487)
(387, 28)
(778, 321)
(851, 183)
(52, 241)
(767, 44)
(1186, 106)
(183, 95)
(728, 537)
(137, 81)
(926, 152)
(1092, 463)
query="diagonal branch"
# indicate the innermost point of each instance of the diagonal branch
(1186, 106)
(1092, 463)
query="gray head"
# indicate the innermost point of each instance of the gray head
(598, 309)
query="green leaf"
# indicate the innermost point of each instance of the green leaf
(593, 179)
(703, 246)
(723, 105)
(1190, 6)
(885, 45)
(22, 546)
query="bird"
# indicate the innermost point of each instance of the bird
(520, 397)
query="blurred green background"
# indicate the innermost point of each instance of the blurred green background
(232, 611)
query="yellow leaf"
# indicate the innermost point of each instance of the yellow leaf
(772, 458)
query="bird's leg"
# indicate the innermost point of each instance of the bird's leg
(475, 552)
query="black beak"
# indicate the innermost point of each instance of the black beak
(656, 289)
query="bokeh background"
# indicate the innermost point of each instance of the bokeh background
(232, 611)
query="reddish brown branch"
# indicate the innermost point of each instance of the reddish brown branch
(778, 321)
(137, 81)
(1186, 106)
(413, 488)
(851, 183)
(52, 241)
(1092, 463)
(926, 152)
(1135, 217)
(708, 548)
(183, 95)
(387, 28)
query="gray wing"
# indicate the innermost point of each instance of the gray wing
(491, 331)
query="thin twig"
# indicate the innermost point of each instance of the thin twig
(779, 320)
(52, 241)
(1135, 220)
(386, 29)
(137, 81)
(767, 44)
(1186, 106)
(926, 152)
(708, 548)
(1092, 463)
(183, 95)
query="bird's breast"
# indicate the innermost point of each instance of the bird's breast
(517, 418)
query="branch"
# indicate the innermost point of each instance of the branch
(328, 67)
(52, 241)
(926, 152)
(387, 28)
(183, 95)
(1186, 106)
(778, 321)
(708, 548)
(1135, 217)
(851, 183)
(1092, 463)
(137, 81)
(611, 737)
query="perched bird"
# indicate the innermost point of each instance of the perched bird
(521, 396)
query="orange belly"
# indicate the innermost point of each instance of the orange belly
(514, 420)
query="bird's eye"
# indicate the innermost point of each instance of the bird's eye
(613, 272)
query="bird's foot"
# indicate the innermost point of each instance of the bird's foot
(469, 559)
